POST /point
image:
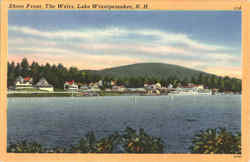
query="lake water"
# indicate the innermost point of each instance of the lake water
(62, 121)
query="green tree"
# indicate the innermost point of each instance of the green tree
(222, 85)
(34, 70)
(185, 82)
(199, 80)
(216, 141)
(193, 80)
(11, 76)
(25, 70)
(18, 70)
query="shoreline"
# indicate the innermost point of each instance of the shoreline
(79, 94)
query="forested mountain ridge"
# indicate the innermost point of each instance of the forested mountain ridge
(151, 70)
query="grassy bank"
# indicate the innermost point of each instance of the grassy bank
(110, 93)
(42, 95)
(65, 94)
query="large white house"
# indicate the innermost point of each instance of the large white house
(84, 87)
(42, 84)
(170, 86)
(100, 83)
(153, 86)
(23, 83)
(119, 88)
(70, 85)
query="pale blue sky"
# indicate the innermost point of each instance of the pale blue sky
(205, 40)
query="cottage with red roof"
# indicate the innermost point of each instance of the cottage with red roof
(23, 83)
(71, 85)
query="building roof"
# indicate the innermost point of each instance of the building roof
(192, 86)
(43, 83)
(22, 80)
(70, 82)
(27, 78)
(19, 78)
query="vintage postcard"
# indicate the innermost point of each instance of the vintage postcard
(124, 81)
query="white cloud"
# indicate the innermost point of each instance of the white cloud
(90, 34)
(44, 50)
(180, 38)
(167, 52)
(24, 41)
(69, 34)
(97, 48)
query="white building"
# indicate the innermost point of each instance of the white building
(158, 85)
(153, 86)
(205, 92)
(91, 87)
(119, 88)
(140, 89)
(95, 89)
(23, 83)
(42, 84)
(100, 83)
(170, 86)
(111, 83)
(84, 87)
(94, 85)
(199, 87)
(71, 85)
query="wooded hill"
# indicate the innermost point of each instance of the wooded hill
(150, 70)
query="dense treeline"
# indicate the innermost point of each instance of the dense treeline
(58, 74)
(54, 74)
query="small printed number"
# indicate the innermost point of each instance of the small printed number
(237, 8)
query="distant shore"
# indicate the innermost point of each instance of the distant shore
(64, 94)
(81, 94)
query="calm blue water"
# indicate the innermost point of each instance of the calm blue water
(63, 121)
